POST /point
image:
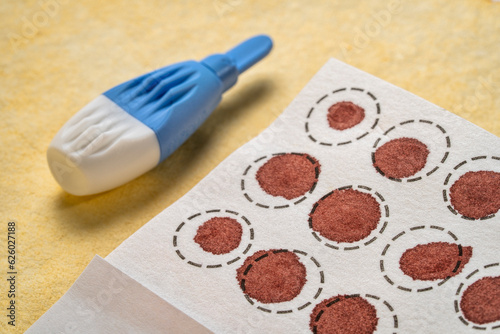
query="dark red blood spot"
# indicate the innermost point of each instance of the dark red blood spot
(481, 301)
(400, 158)
(344, 315)
(345, 115)
(219, 235)
(288, 175)
(272, 276)
(476, 194)
(436, 260)
(346, 215)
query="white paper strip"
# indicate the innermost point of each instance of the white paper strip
(105, 300)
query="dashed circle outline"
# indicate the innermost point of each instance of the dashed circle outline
(374, 125)
(456, 301)
(215, 265)
(411, 229)
(289, 310)
(265, 206)
(429, 173)
(446, 189)
(384, 216)
(377, 298)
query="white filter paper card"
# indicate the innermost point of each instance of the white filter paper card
(362, 208)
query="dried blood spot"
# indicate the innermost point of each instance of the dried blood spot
(288, 175)
(344, 315)
(400, 158)
(481, 301)
(345, 115)
(436, 260)
(272, 276)
(476, 194)
(345, 215)
(219, 235)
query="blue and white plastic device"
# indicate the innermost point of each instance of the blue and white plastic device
(134, 126)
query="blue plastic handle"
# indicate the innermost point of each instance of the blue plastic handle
(175, 100)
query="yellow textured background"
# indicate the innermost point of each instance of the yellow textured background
(444, 51)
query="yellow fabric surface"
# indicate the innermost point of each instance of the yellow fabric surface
(58, 55)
